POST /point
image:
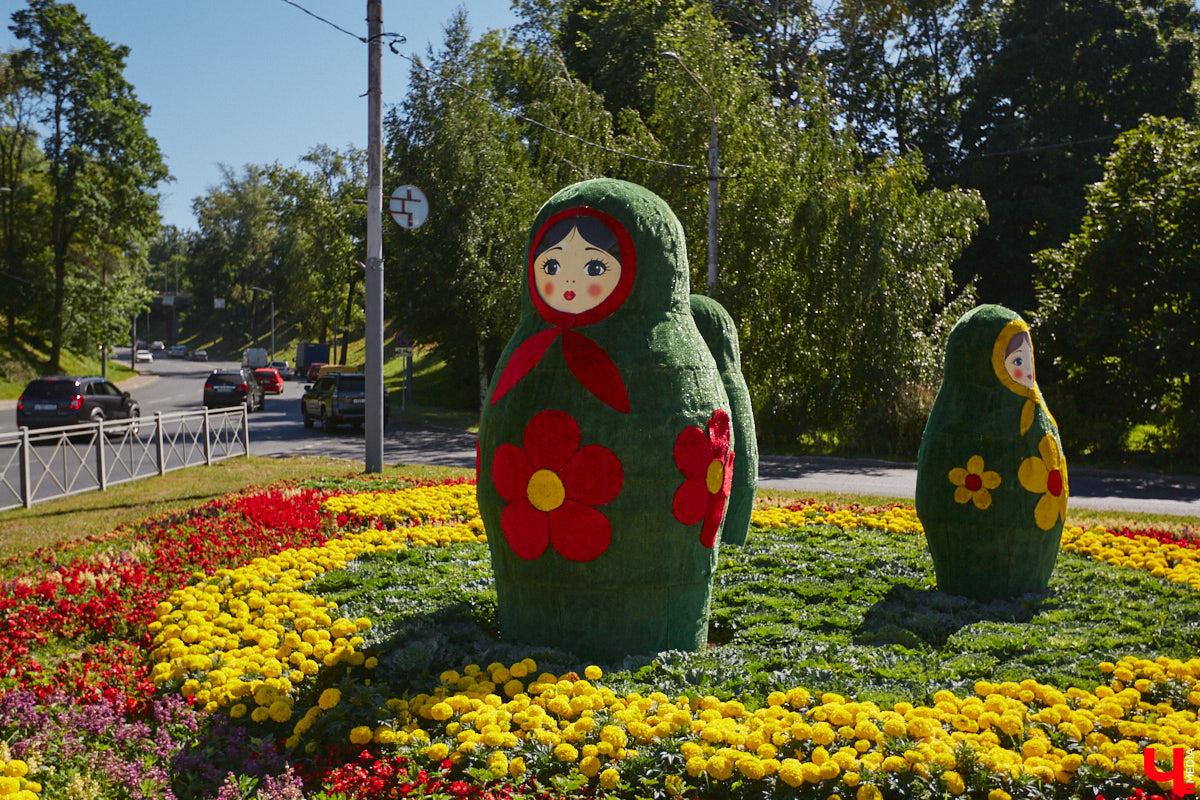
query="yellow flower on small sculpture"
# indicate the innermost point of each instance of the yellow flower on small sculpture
(974, 483)
(1046, 474)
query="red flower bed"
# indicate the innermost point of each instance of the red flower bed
(101, 605)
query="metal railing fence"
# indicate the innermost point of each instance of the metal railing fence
(42, 464)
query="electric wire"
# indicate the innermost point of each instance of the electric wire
(398, 39)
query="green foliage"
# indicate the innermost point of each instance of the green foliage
(102, 165)
(852, 612)
(1101, 65)
(456, 282)
(1119, 305)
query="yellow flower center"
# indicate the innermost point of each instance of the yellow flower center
(716, 477)
(545, 491)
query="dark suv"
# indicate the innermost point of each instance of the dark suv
(233, 387)
(68, 400)
(337, 398)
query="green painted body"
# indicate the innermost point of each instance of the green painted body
(719, 332)
(650, 590)
(999, 552)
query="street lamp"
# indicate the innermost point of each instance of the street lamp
(712, 173)
(271, 295)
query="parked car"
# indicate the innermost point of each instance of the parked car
(68, 400)
(337, 398)
(269, 379)
(282, 367)
(143, 355)
(199, 355)
(157, 347)
(178, 351)
(232, 387)
(314, 369)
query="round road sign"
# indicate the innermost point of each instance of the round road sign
(408, 207)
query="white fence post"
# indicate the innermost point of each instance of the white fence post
(100, 465)
(158, 443)
(26, 477)
(246, 430)
(207, 443)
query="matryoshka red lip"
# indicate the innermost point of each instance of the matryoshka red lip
(619, 294)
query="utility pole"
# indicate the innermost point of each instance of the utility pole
(374, 262)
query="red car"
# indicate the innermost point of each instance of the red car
(268, 378)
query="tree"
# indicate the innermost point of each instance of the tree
(1064, 79)
(102, 164)
(322, 231)
(22, 202)
(458, 275)
(237, 245)
(1119, 310)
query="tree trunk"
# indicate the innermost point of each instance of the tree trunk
(483, 376)
(346, 324)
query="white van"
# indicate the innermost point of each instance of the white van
(254, 357)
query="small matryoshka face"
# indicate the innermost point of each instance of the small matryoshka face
(1019, 360)
(574, 275)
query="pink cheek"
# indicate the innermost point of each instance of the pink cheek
(595, 290)
(1018, 374)
(548, 289)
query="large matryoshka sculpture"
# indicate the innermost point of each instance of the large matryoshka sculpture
(605, 444)
(991, 477)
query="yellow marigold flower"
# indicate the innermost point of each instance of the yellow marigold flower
(238, 711)
(589, 766)
(868, 791)
(695, 766)
(516, 767)
(954, 782)
(790, 772)
(566, 752)
(441, 711)
(593, 673)
(610, 779)
(751, 768)
(999, 794)
(719, 768)
(280, 711)
(329, 698)
(361, 734)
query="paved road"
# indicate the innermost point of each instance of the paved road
(172, 385)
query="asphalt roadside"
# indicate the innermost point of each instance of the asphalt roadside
(1134, 492)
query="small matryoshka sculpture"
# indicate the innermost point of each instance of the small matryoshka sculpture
(720, 334)
(605, 443)
(991, 476)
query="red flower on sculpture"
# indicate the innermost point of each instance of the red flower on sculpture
(552, 488)
(706, 462)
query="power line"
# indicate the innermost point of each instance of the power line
(395, 39)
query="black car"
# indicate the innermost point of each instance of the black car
(337, 398)
(69, 400)
(233, 387)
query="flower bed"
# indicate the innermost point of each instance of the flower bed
(348, 630)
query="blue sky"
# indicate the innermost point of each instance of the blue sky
(257, 81)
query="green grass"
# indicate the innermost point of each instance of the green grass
(29, 358)
(86, 520)
(853, 612)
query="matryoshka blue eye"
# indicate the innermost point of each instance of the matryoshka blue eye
(596, 268)
(1017, 362)
(550, 267)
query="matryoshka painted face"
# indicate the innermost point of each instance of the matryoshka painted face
(574, 274)
(1018, 360)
